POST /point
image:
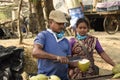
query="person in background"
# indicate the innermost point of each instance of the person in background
(76, 11)
(51, 45)
(91, 43)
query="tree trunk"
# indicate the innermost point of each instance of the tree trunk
(41, 13)
(37, 7)
(18, 26)
(49, 6)
(30, 12)
(43, 16)
(45, 13)
(35, 16)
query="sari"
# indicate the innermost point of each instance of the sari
(89, 43)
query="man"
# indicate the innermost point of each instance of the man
(50, 45)
(75, 9)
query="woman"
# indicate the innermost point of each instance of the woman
(90, 43)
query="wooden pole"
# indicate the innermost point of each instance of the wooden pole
(18, 26)
(45, 13)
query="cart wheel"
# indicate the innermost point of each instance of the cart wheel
(111, 24)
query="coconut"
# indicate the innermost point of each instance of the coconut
(42, 77)
(116, 69)
(33, 78)
(116, 76)
(54, 77)
(83, 64)
(39, 77)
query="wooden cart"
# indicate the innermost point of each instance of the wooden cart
(111, 19)
(103, 75)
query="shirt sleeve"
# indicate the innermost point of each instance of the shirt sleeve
(98, 47)
(40, 39)
(69, 50)
(71, 42)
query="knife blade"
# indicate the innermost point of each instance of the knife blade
(72, 58)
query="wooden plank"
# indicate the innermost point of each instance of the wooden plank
(110, 12)
(101, 13)
(6, 1)
(95, 77)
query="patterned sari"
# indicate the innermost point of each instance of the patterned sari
(77, 50)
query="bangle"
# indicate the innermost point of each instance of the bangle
(58, 58)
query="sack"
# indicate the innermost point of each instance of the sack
(11, 63)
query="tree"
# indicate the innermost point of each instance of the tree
(38, 16)
(41, 12)
(18, 25)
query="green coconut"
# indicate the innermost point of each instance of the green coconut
(54, 77)
(116, 69)
(116, 76)
(33, 78)
(42, 77)
(39, 77)
(83, 65)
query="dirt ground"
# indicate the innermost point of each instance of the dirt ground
(110, 43)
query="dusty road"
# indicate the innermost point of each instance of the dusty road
(111, 45)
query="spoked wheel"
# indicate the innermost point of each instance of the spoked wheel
(111, 24)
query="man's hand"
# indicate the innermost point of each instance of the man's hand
(63, 59)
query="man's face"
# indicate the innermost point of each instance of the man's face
(56, 27)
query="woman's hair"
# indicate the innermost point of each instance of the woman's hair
(81, 20)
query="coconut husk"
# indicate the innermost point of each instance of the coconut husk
(30, 62)
(25, 76)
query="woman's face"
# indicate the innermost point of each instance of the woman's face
(82, 28)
